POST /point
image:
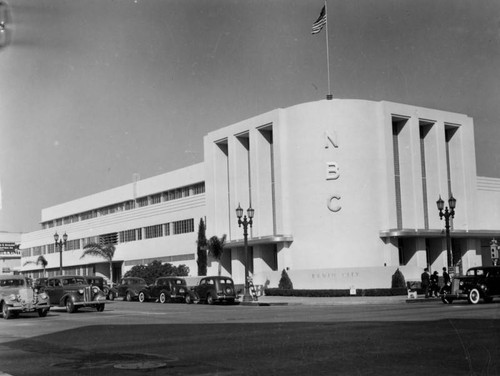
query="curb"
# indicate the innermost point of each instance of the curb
(424, 300)
(325, 301)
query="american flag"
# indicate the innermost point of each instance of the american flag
(320, 22)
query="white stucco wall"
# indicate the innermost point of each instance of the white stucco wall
(321, 178)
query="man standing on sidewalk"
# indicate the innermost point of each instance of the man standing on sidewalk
(426, 281)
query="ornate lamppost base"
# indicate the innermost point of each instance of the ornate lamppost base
(247, 298)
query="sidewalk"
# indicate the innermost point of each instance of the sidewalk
(344, 300)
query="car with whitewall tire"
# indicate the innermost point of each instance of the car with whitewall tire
(130, 288)
(478, 283)
(165, 290)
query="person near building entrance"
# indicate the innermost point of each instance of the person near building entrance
(425, 281)
(434, 287)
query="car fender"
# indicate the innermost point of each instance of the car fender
(62, 301)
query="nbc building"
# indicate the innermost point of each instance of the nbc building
(344, 193)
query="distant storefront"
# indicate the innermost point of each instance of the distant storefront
(10, 256)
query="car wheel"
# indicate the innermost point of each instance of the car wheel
(70, 306)
(188, 299)
(111, 295)
(42, 312)
(474, 296)
(163, 298)
(100, 307)
(142, 297)
(210, 299)
(5, 311)
(128, 297)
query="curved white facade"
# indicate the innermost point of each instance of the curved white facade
(344, 192)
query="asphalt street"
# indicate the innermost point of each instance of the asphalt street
(328, 338)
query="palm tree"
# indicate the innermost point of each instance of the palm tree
(39, 261)
(106, 251)
(216, 248)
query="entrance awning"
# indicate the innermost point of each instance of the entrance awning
(437, 233)
(272, 239)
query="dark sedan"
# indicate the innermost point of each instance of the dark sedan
(215, 289)
(165, 290)
(482, 282)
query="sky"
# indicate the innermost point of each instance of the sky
(95, 91)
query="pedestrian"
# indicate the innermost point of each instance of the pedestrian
(446, 282)
(425, 281)
(434, 287)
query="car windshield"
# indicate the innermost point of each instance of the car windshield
(11, 282)
(473, 272)
(226, 281)
(74, 281)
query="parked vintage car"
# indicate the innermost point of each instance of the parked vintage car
(40, 283)
(481, 282)
(130, 287)
(109, 292)
(74, 292)
(18, 295)
(213, 289)
(165, 290)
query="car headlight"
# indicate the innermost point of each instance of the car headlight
(95, 289)
(14, 297)
(461, 283)
(80, 291)
(43, 296)
(181, 291)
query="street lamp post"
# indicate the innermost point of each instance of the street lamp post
(447, 214)
(59, 243)
(245, 222)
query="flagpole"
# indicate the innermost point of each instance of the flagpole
(329, 96)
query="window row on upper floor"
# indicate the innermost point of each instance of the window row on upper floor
(166, 229)
(173, 194)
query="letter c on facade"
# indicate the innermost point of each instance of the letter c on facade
(330, 206)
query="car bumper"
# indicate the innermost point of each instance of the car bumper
(98, 300)
(225, 298)
(178, 296)
(28, 307)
